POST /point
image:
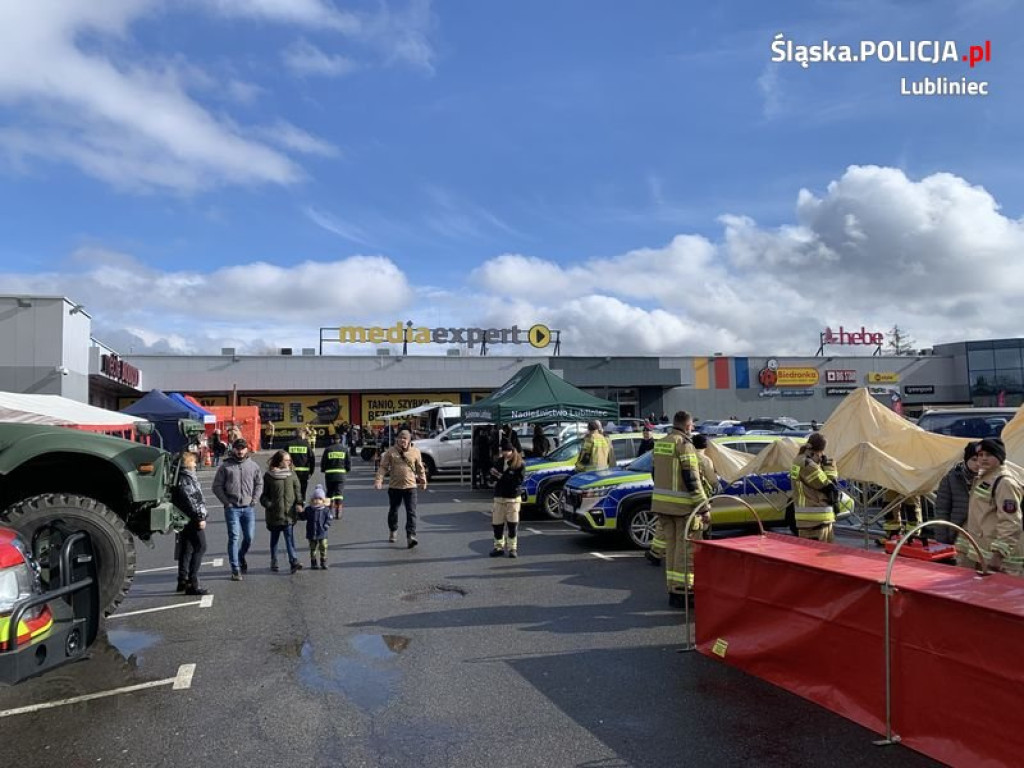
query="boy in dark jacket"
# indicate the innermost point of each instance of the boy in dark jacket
(508, 472)
(318, 520)
(187, 496)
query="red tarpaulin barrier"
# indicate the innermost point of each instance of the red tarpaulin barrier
(810, 617)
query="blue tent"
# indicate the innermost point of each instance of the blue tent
(198, 412)
(165, 413)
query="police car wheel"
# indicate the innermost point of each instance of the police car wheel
(640, 526)
(551, 503)
(113, 546)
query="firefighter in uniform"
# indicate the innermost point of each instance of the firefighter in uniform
(993, 514)
(903, 516)
(336, 463)
(708, 479)
(597, 450)
(303, 460)
(814, 481)
(678, 491)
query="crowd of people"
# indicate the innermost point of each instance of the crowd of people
(979, 494)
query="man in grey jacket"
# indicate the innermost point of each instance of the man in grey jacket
(238, 484)
(954, 494)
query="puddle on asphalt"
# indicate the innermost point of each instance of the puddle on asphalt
(365, 678)
(435, 592)
(130, 642)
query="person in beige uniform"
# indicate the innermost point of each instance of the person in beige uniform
(994, 514)
(596, 452)
(813, 479)
(404, 464)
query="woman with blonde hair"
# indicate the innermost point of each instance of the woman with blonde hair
(508, 472)
(188, 497)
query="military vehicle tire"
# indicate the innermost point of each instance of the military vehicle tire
(113, 546)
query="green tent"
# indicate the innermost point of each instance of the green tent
(536, 394)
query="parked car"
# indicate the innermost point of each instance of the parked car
(545, 476)
(775, 424)
(711, 427)
(450, 453)
(967, 422)
(618, 501)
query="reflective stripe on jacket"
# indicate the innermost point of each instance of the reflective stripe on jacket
(303, 458)
(676, 473)
(335, 462)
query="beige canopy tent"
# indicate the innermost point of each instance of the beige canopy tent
(61, 411)
(1013, 436)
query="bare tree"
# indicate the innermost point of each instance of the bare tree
(899, 342)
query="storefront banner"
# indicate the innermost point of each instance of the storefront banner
(378, 405)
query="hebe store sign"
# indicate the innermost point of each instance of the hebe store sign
(862, 337)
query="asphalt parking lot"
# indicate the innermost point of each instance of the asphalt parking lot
(436, 656)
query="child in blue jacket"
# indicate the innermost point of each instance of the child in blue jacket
(318, 519)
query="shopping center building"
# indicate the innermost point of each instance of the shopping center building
(48, 348)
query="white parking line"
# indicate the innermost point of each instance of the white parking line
(600, 555)
(206, 601)
(179, 682)
(217, 562)
(534, 530)
(161, 608)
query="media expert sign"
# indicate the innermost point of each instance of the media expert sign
(876, 377)
(538, 335)
(772, 376)
(377, 406)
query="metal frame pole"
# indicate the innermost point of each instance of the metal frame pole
(691, 642)
(888, 590)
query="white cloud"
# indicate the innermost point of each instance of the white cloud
(129, 125)
(291, 137)
(316, 14)
(935, 256)
(305, 59)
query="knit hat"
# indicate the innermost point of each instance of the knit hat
(994, 446)
(319, 492)
(969, 451)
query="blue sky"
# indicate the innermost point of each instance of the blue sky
(630, 174)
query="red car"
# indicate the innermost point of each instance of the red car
(53, 604)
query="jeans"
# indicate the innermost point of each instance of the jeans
(289, 542)
(239, 519)
(396, 496)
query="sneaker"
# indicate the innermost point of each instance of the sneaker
(244, 565)
(195, 590)
(497, 552)
(182, 586)
(274, 567)
(393, 537)
(412, 542)
(296, 566)
(513, 553)
(236, 576)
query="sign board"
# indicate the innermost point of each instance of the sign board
(537, 336)
(797, 392)
(844, 337)
(378, 405)
(838, 391)
(844, 376)
(117, 369)
(919, 389)
(289, 412)
(773, 375)
(876, 377)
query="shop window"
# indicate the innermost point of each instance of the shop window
(979, 360)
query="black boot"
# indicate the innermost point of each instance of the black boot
(195, 590)
(182, 585)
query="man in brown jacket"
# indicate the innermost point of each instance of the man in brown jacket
(405, 465)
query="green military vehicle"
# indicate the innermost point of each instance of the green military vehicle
(114, 490)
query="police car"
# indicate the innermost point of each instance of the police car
(619, 500)
(546, 475)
